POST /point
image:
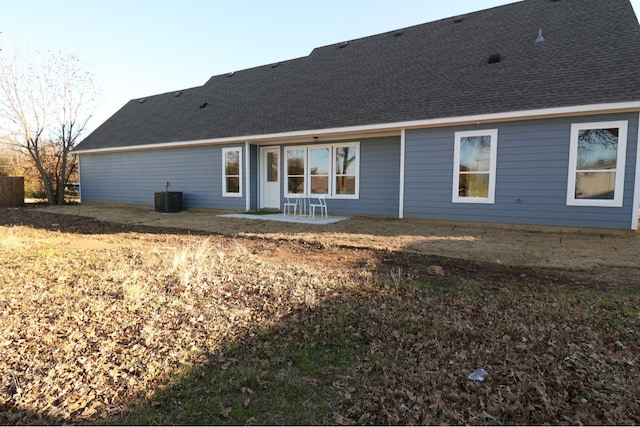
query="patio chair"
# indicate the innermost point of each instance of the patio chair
(320, 204)
(291, 202)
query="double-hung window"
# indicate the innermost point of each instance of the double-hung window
(324, 169)
(474, 166)
(232, 172)
(346, 170)
(296, 170)
(596, 164)
(319, 169)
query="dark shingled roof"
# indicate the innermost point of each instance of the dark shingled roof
(591, 55)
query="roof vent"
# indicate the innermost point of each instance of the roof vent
(203, 105)
(343, 45)
(142, 100)
(539, 39)
(398, 33)
(276, 65)
(458, 19)
(231, 74)
(178, 93)
(495, 58)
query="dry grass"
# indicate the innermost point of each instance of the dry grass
(574, 249)
(87, 331)
(146, 327)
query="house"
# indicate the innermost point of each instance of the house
(522, 114)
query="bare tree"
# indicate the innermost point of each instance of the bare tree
(45, 104)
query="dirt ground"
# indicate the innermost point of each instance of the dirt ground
(102, 305)
(596, 253)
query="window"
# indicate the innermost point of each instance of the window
(474, 167)
(323, 169)
(272, 167)
(319, 169)
(231, 172)
(596, 164)
(346, 169)
(295, 170)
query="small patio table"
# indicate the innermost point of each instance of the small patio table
(299, 203)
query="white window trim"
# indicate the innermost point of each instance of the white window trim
(224, 170)
(332, 173)
(286, 170)
(356, 195)
(493, 150)
(618, 194)
(307, 178)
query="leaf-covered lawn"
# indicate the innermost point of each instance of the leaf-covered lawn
(102, 324)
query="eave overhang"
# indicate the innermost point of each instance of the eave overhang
(383, 129)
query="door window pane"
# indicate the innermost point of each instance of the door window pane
(272, 167)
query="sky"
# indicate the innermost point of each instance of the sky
(138, 48)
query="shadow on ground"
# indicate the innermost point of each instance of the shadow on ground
(393, 344)
(569, 248)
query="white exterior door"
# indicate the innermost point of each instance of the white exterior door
(270, 178)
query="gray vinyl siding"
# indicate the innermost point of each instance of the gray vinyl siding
(379, 177)
(531, 175)
(133, 177)
(253, 167)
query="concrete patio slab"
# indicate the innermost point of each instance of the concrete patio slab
(289, 218)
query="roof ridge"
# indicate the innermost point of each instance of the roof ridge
(394, 32)
(438, 71)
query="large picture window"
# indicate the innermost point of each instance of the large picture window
(323, 169)
(474, 168)
(232, 172)
(596, 164)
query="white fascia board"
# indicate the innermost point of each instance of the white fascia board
(446, 121)
(163, 145)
